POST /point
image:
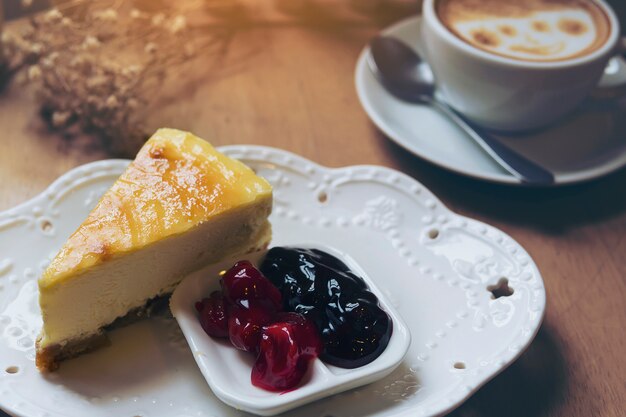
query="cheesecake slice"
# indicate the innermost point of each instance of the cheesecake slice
(180, 205)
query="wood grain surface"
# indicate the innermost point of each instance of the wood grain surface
(287, 81)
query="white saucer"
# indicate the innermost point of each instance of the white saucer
(587, 145)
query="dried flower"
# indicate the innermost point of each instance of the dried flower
(72, 58)
(179, 23)
(112, 102)
(131, 70)
(150, 47)
(36, 48)
(108, 15)
(96, 82)
(158, 19)
(90, 42)
(60, 119)
(34, 73)
(135, 14)
(46, 62)
(53, 15)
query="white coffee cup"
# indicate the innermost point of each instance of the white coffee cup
(509, 94)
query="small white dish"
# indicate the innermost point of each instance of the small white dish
(228, 370)
(435, 267)
(587, 145)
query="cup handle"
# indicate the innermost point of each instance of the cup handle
(613, 81)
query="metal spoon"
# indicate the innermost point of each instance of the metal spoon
(403, 73)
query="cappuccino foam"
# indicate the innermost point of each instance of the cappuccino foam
(528, 30)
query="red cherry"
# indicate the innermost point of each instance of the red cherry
(306, 334)
(244, 282)
(213, 316)
(285, 351)
(245, 324)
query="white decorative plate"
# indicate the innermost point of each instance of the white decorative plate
(434, 266)
(588, 145)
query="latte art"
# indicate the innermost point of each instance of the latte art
(529, 30)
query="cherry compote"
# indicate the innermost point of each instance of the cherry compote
(243, 282)
(353, 327)
(245, 324)
(213, 318)
(287, 348)
(248, 312)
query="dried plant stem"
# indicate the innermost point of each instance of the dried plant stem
(97, 68)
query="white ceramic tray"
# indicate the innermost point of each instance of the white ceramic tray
(227, 370)
(434, 266)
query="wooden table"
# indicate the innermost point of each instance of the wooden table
(289, 84)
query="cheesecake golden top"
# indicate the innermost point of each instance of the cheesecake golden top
(176, 182)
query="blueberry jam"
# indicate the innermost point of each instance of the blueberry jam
(354, 329)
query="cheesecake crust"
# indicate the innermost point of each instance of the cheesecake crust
(49, 358)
